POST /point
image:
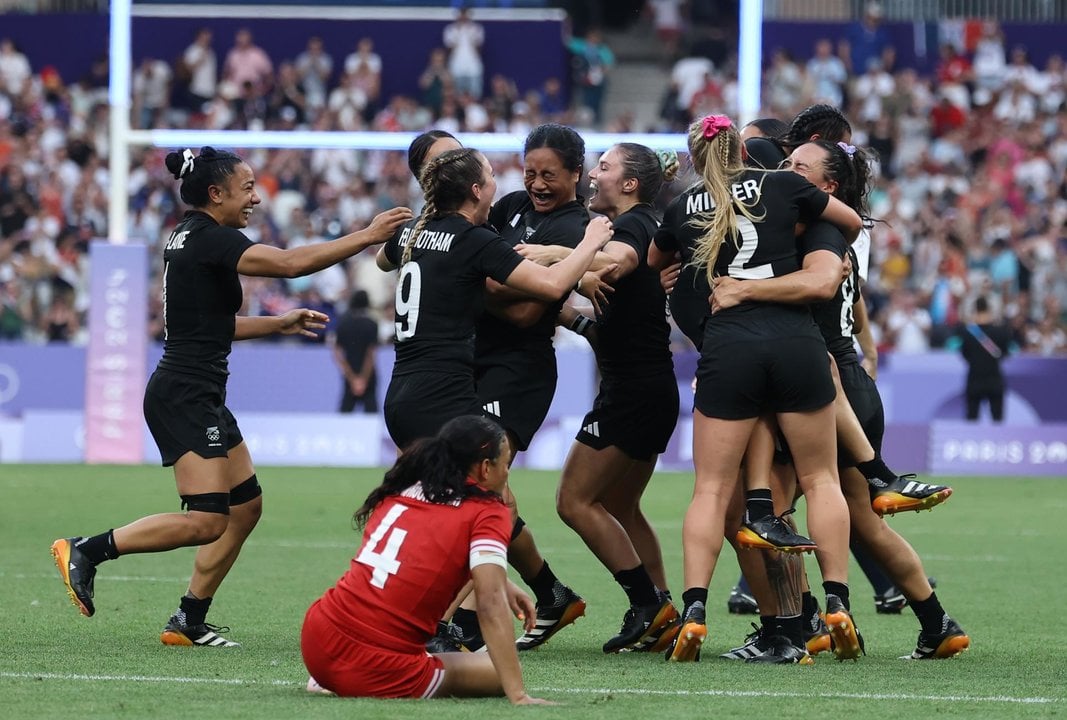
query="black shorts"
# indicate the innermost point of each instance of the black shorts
(188, 413)
(755, 376)
(863, 396)
(518, 398)
(418, 404)
(636, 416)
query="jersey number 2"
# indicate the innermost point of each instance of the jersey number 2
(408, 294)
(384, 563)
(749, 243)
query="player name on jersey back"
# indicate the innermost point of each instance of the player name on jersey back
(429, 240)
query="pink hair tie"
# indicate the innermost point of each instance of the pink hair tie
(712, 124)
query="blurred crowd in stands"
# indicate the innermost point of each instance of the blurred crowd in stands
(971, 190)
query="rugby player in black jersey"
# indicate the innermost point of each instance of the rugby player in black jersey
(757, 359)
(635, 411)
(185, 399)
(842, 169)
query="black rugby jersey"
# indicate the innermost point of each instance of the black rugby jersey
(768, 248)
(835, 316)
(677, 233)
(633, 335)
(201, 295)
(441, 292)
(514, 218)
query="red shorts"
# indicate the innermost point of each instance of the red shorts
(354, 669)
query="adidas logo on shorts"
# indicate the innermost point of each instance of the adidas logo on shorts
(592, 428)
(493, 408)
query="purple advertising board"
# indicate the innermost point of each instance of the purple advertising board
(115, 358)
(963, 448)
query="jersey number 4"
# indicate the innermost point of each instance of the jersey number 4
(408, 294)
(384, 562)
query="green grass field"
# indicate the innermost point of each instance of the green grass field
(996, 549)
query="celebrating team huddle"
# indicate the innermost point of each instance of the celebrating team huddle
(761, 261)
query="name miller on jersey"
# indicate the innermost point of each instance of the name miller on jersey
(429, 240)
(744, 191)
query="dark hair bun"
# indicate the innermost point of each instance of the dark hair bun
(174, 163)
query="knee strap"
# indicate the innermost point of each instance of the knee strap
(245, 492)
(207, 502)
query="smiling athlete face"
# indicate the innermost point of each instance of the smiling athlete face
(237, 198)
(547, 182)
(606, 183)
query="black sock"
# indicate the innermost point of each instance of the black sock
(791, 627)
(544, 585)
(193, 609)
(758, 503)
(930, 613)
(467, 620)
(98, 548)
(809, 605)
(694, 595)
(768, 622)
(876, 472)
(839, 589)
(638, 586)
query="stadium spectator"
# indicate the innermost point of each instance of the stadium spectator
(446, 488)
(199, 69)
(246, 62)
(314, 67)
(464, 39)
(864, 41)
(355, 343)
(15, 69)
(220, 494)
(592, 61)
(827, 74)
(151, 92)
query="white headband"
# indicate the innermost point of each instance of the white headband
(187, 166)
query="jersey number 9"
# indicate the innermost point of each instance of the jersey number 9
(408, 294)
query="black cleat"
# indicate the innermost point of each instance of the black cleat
(772, 533)
(446, 639)
(757, 642)
(950, 642)
(741, 603)
(890, 602)
(846, 641)
(640, 624)
(690, 636)
(906, 493)
(203, 635)
(782, 651)
(77, 572)
(551, 619)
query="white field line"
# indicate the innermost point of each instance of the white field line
(68, 677)
(109, 578)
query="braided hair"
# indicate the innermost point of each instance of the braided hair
(440, 464)
(718, 162)
(446, 182)
(200, 172)
(826, 121)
